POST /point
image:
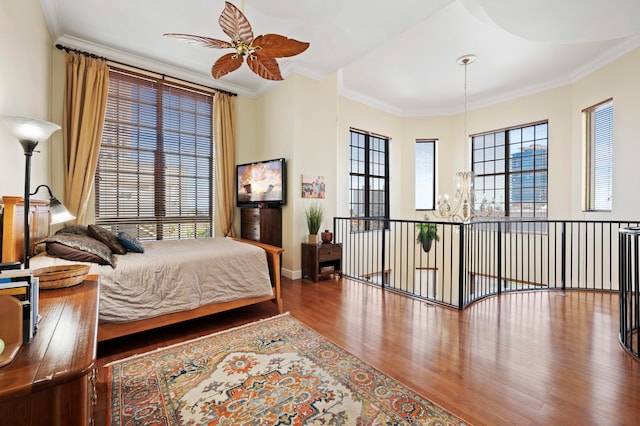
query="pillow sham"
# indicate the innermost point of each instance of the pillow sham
(80, 248)
(108, 238)
(74, 229)
(130, 242)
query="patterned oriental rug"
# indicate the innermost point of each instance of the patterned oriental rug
(272, 372)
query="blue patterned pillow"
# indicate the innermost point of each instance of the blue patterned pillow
(131, 243)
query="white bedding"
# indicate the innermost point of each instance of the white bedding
(172, 276)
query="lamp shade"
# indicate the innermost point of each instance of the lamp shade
(59, 213)
(25, 128)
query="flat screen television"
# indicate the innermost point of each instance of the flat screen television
(262, 184)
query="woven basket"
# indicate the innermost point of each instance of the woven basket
(61, 276)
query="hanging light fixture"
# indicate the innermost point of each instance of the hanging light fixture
(463, 206)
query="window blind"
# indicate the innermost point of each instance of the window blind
(602, 156)
(155, 171)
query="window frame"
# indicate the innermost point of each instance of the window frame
(418, 162)
(592, 185)
(366, 176)
(503, 203)
(169, 122)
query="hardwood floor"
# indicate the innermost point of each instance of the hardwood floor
(545, 358)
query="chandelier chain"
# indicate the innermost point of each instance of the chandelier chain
(463, 206)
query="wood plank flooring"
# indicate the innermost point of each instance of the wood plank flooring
(532, 358)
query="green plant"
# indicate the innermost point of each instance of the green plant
(315, 215)
(427, 231)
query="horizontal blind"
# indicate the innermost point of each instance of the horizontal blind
(602, 156)
(155, 170)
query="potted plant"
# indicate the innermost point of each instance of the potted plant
(427, 233)
(315, 215)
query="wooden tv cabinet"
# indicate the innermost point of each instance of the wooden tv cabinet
(51, 381)
(263, 225)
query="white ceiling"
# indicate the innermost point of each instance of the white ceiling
(396, 55)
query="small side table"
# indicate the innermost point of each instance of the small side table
(321, 261)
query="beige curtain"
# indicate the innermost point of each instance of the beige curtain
(85, 102)
(225, 140)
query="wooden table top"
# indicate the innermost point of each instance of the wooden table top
(64, 346)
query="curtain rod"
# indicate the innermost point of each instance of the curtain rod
(94, 56)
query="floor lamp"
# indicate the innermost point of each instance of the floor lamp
(28, 131)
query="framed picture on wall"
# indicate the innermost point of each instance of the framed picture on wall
(313, 186)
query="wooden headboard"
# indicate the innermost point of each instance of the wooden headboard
(13, 226)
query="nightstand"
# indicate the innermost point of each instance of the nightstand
(321, 261)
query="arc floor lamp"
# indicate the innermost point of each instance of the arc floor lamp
(30, 131)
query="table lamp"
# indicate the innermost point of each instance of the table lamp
(59, 212)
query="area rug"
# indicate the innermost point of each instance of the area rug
(275, 371)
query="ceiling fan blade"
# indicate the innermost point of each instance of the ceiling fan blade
(265, 67)
(279, 46)
(235, 24)
(200, 40)
(225, 64)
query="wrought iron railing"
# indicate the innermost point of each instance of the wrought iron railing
(630, 290)
(478, 259)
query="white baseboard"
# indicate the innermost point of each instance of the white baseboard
(292, 275)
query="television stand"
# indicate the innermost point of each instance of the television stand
(262, 224)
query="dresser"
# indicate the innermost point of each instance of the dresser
(263, 225)
(51, 381)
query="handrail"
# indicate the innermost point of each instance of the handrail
(629, 266)
(474, 260)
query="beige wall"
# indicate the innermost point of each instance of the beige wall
(308, 123)
(297, 121)
(618, 80)
(352, 114)
(555, 106)
(25, 89)
(449, 134)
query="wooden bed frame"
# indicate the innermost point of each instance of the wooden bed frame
(13, 240)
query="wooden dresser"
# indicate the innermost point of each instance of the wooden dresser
(263, 225)
(52, 379)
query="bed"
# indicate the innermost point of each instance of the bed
(172, 281)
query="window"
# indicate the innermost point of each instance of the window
(425, 174)
(154, 176)
(368, 195)
(599, 138)
(510, 168)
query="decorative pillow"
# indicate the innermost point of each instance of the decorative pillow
(74, 229)
(130, 242)
(79, 248)
(107, 237)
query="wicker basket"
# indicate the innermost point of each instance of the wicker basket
(61, 276)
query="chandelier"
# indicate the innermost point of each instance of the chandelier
(463, 206)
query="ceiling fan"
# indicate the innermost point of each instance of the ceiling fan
(261, 51)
